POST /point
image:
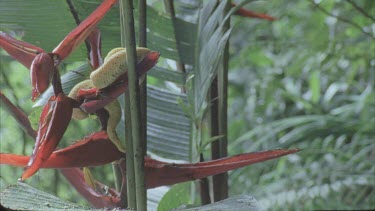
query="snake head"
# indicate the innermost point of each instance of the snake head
(53, 122)
(115, 86)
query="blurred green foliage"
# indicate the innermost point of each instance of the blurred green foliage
(306, 81)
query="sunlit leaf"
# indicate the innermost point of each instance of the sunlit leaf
(24, 197)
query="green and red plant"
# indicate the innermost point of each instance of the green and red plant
(95, 149)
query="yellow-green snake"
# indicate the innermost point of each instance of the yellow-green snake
(114, 65)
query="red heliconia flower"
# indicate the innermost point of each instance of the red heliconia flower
(57, 113)
(42, 67)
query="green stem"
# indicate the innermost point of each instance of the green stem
(130, 175)
(117, 174)
(141, 194)
(142, 16)
(219, 117)
(142, 41)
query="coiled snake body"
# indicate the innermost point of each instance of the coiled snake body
(114, 65)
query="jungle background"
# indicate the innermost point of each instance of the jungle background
(303, 81)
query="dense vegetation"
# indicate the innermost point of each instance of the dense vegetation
(303, 81)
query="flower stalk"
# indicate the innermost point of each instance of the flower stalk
(134, 105)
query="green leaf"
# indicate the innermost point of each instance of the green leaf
(212, 38)
(314, 83)
(41, 23)
(238, 203)
(24, 197)
(175, 197)
(168, 126)
(34, 117)
(167, 75)
(154, 196)
(205, 143)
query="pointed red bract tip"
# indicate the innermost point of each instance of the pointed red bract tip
(148, 62)
(19, 50)
(250, 14)
(161, 173)
(83, 30)
(94, 39)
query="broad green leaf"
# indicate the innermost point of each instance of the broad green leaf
(24, 197)
(240, 203)
(168, 127)
(49, 29)
(160, 34)
(154, 196)
(39, 22)
(167, 75)
(175, 197)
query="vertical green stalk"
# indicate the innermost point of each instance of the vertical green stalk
(142, 42)
(130, 176)
(169, 7)
(219, 117)
(141, 194)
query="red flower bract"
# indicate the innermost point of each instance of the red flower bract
(53, 122)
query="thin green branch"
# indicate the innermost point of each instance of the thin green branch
(117, 175)
(17, 113)
(169, 7)
(361, 10)
(343, 19)
(76, 18)
(141, 194)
